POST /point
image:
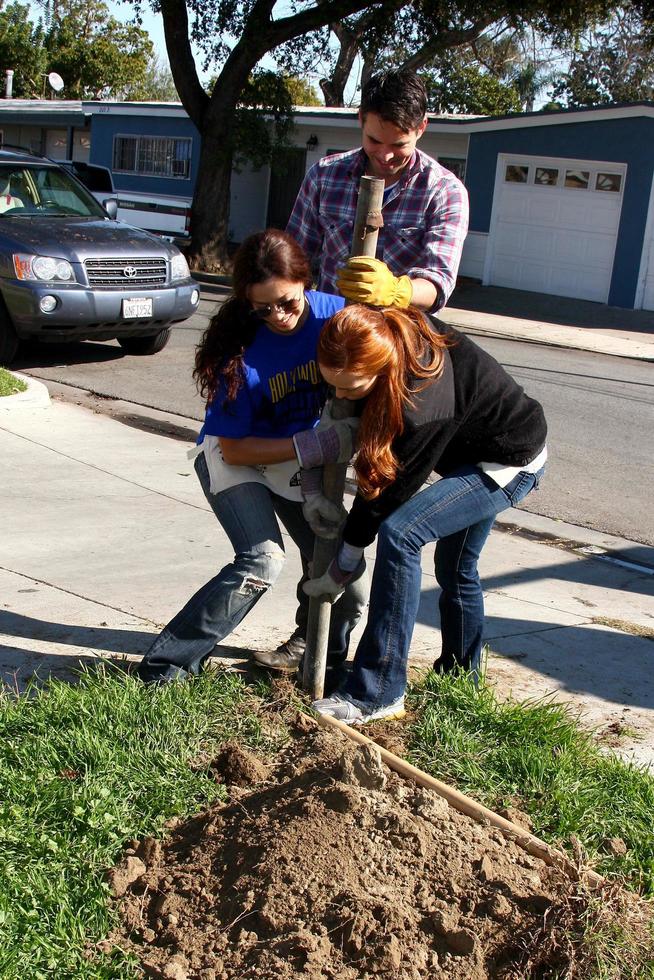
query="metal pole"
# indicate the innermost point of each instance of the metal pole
(367, 223)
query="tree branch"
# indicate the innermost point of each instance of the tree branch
(447, 39)
(260, 37)
(313, 18)
(182, 63)
(334, 87)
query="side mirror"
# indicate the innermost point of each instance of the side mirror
(111, 207)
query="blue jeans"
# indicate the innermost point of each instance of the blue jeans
(457, 512)
(250, 516)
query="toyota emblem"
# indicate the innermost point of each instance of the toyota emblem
(130, 272)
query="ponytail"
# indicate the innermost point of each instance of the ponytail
(396, 346)
(219, 355)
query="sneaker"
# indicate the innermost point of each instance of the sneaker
(286, 657)
(341, 708)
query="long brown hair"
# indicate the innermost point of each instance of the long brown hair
(397, 346)
(265, 255)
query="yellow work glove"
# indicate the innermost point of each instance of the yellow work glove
(366, 280)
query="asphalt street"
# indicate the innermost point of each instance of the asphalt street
(600, 411)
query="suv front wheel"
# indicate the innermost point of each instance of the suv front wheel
(145, 345)
(8, 339)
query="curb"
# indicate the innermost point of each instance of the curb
(36, 396)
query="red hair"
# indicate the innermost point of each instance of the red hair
(397, 346)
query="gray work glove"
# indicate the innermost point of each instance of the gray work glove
(323, 517)
(348, 564)
(331, 441)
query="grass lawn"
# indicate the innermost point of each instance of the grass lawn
(535, 756)
(10, 384)
(85, 768)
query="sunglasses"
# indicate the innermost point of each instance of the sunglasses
(284, 306)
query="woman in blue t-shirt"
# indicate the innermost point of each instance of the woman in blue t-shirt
(256, 366)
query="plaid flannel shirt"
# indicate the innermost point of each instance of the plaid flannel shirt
(425, 220)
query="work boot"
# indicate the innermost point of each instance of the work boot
(286, 658)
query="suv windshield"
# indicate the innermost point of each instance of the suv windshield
(29, 189)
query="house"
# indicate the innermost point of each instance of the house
(560, 202)
(57, 128)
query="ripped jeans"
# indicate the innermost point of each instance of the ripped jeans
(250, 515)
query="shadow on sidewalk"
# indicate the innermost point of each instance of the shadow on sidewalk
(21, 667)
(595, 571)
(108, 639)
(120, 649)
(23, 663)
(579, 659)
(524, 305)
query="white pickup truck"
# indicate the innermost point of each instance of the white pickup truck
(162, 214)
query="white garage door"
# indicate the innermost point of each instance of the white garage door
(555, 225)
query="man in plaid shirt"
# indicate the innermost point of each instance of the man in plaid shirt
(425, 207)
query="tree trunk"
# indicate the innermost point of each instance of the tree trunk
(214, 117)
(333, 88)
(211, 202)
(368, 67)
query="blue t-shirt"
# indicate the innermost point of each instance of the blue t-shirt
(283, 392)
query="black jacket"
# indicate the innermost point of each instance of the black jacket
(474, 412)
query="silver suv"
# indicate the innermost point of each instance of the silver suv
(70, 271)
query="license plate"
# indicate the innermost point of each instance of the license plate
(137, 309)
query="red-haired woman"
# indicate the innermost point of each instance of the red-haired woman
(256, 366)
(431, 401)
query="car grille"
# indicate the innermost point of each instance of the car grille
(126, 272)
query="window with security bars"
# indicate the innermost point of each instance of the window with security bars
(158, 156)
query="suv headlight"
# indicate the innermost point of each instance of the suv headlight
(179, 267)
(43, 267)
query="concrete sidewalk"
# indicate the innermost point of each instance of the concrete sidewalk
(106, 534)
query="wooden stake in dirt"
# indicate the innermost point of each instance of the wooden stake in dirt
(367, 223)
(464, 804)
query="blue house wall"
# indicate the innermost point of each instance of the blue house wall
(627, 141)
(112, 123)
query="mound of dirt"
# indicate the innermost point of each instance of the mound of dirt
(235, 766)
(332, 866)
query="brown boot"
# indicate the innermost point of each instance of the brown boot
(286, 658)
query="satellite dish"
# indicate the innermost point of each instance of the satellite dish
(55, 81)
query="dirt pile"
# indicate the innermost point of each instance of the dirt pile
(332, 867)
